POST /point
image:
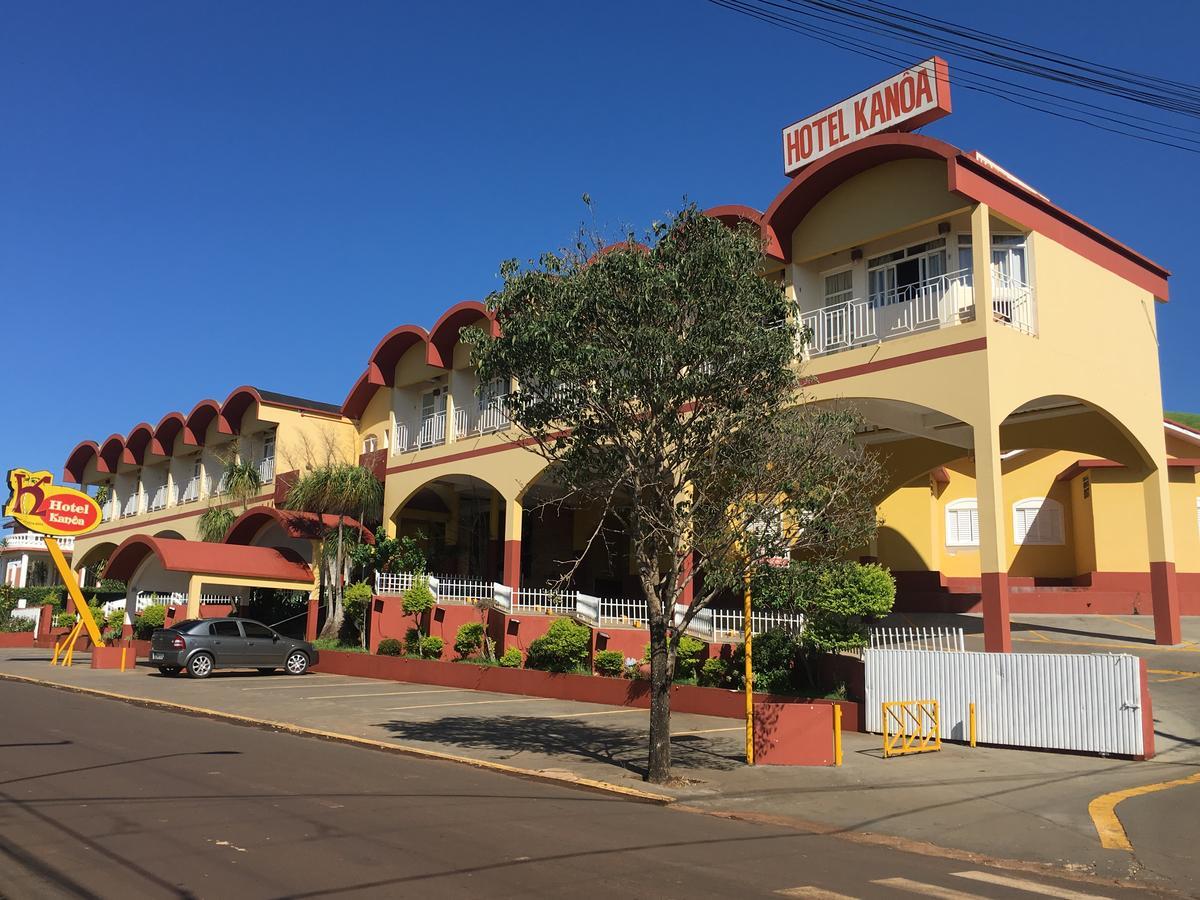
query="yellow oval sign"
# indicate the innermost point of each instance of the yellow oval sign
(47, 508)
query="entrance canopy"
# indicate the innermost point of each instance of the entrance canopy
(248, 564)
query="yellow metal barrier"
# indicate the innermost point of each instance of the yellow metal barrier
(911, 726)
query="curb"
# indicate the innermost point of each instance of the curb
(563, 778)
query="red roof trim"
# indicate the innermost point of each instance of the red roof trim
(77, 461)
(236, 404)
(200, 558)
(1083, 465)
(734, 214)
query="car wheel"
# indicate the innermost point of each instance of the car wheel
(297, 662)
(169, 670)
(268, 671)
(201, 666)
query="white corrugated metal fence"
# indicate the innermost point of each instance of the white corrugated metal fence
(1084, 702)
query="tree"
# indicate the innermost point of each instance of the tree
(660, 381)
(241, 484)
(342, 490)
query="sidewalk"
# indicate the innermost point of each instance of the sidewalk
(999, 803)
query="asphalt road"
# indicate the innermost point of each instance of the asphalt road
(99, 798)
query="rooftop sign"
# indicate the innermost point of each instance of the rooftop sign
(903, 102)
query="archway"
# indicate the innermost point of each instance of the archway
(459, 523)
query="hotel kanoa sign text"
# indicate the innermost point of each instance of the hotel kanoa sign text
(47, 508)
(901, 103)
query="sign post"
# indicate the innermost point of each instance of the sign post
(53, 510)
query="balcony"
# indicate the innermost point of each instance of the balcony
(27, 541)
(492, 417)
(266, 470)
(110, 510)
(935, 303)
(191, 490)
(158, 500)
(432, 430)
(132, 505)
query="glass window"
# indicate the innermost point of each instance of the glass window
(257, 630)
(369, 443)
(839, 287)
(224, 629)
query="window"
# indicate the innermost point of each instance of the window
(839, 287)
(1008, 257)
(255, 630)
(224, 629)
(370, 442)
(1037, 520)
(962, 523)
(898, 276)
(269, 446)
(433, 403)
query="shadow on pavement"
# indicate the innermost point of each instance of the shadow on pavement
(624, 747)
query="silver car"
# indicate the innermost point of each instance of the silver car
(201, 645)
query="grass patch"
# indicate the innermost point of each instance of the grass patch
(335, 644)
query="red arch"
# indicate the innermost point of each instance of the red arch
(78, 459)
(295, 524)
(803, 192)
(236, 404)
(114, 452)
(170, 427)
(387, 352)
(735, 214)
(444, 334)
(139, 440)
(202, 415)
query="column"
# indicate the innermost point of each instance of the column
(193, 604)
(993, 558)
(1164, 588)
(688, 575)
(22, 579)
(981, 260)
(512, 543)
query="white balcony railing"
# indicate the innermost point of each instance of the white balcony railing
(191, 490)
(433, 431)
(928, 305)
(110, 510)
(29, 541)
(400, 438)
(266, 469)
(158, 500)
(132, 505)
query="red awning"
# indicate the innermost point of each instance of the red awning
(202, 558)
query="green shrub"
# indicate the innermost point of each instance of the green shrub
(511, 658)
(563, 648)
(468, 639)
(356, 604)
(16, 623)
(111, 586)
(113, 623)
(390, 647)
(419, 597)
(64, 620)
(149, 619)
(53, 595)
(412, 641)
(775, 654)
(714, 673)
(687, 657)
(610, 663)
(431, 647)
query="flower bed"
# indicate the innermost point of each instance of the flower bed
(582, 688)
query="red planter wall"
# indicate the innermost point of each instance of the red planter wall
(16, 639)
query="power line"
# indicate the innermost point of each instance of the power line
(1022, 95)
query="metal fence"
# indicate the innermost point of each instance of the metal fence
(1086, 703)
(720, 625)
(916, 639)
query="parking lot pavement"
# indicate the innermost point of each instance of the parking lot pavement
(1002, 803)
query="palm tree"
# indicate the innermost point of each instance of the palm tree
(241, 483)
(340, 490)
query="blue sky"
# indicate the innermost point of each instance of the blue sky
(196, 196)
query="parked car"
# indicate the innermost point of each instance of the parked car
(202, 645)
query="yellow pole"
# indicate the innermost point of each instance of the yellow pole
(68, 578)
(972, 724)
(747, 643)
(837, 734)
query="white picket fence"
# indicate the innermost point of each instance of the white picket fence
(728, 625)
(1057, 701)
(916, 639)
(449, 589)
